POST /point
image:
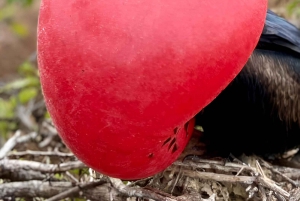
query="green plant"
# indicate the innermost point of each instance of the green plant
(23, 2)
(294, 7)
(17, 92)
(20, 91)
(8, 10)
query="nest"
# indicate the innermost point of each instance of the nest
(36, 165)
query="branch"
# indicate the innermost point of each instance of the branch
(261, 180)
(58, 190)
(219, 177)
(268, 183)
(14, 165)
(13, 141)
(41, 153)
(137, 192)
(75, 190)
(33, 188)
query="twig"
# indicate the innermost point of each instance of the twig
(32, 189)
(50, 127)
(74, 179)
(295, 184)
(197, 159)
(179, 175)
(295, 195)
(52, 132)
(262, 193)
(292, 173)
(279, 197)
(137, 192)
(285, 177)
(13, 141)
(228, 168)
(234, 179)
(75, 190)
(259, 169)
(262, 180)
(219, 177)
(240, 171)
(10, 144)
(46, 141)
(24, 114)
(22, 175)
(268, 183)
(252, 190)
(41, 153)
(15, 165)
(137, 182)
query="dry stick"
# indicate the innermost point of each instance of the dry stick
(295, 195)
(15, 165)
(228, 167)
(50, 127)
(293, 173)
(75, 190)
(185, 197)
(251, 190)
(30, 189)
(195, 197)
(262, 193)
(219, 177)
(68, 174)
(52, 132)
(295, 184)
(259, 169)
(279, 197)
(24, 115)
(13, 141)
(137, 192)
(133, 183)
(264, 181)
(18, 170)
(10, 144)
(23, 175)
(262, 173)
(268, 183)
(196, 159)
(41, 153)
(176, 180)
(46, 141)
(270, 196)
(268, 166)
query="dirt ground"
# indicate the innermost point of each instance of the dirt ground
(15, 49)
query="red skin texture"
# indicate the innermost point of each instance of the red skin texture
(122, 77)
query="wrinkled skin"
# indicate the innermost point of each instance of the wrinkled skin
(121, 79)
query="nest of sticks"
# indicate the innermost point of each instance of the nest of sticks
(36, 165)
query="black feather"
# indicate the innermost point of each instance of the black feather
(279, 35)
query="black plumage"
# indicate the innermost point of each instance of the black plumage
(259, 112)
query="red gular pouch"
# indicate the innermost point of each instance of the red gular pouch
(121, 78)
